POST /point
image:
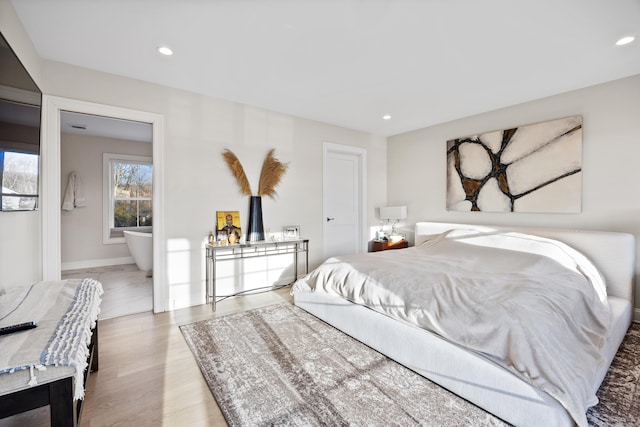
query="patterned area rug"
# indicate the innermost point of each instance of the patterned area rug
(281, 366)
(619, 393)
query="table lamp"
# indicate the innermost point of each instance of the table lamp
(393, 214)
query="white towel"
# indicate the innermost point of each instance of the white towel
(74, 194)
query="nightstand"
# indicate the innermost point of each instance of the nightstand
(383, 245)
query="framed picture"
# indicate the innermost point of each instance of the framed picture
(228, 226)
(291, 232)
(532, 168)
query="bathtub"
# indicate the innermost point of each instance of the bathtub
(141, 247)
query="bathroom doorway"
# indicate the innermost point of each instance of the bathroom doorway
(106, 177)
(54, 185)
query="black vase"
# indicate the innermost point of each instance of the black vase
(255, 230)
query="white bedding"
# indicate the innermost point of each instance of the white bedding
(565, 295)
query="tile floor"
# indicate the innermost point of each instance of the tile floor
(126, 289)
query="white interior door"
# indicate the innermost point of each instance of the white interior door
(343, 199)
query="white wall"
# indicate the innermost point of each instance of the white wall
(197, 181)
(20, 232)
(14, 32)
(82, 228)
(611, 148)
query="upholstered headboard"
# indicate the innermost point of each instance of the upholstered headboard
(612, 252)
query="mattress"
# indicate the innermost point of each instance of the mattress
(455, 368)
(466, 373)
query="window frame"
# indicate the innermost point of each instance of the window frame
(35, 196)
(110, 234)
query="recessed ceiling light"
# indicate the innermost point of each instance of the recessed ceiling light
(625, 40)
(165, 50)
(386, 117)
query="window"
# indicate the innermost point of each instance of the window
(19, 177)
(128, 197)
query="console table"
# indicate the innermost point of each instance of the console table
(218, 253)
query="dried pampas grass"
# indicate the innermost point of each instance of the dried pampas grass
(238, 172)
(270, 176)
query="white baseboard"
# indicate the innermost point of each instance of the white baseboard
(91, 263)
(636, 314)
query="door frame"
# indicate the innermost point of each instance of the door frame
(361, 160)
(50, 184)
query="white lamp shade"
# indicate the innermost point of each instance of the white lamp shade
(393, 212)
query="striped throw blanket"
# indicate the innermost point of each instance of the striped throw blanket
(66, 311)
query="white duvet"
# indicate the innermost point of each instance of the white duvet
(532, 305)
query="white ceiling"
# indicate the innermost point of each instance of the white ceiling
(87, 124)
(348, 62)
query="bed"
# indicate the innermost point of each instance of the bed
(514, 391)
(49, 365)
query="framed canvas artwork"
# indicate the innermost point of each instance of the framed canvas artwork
(532, 168)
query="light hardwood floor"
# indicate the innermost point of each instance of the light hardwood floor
(127, 290)
(147, 375)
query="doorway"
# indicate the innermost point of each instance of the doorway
(344, 199)
(106, 177)
(52, 187)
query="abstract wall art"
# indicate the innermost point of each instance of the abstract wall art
(532, 168)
